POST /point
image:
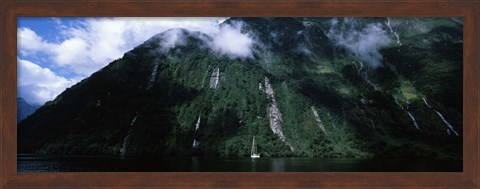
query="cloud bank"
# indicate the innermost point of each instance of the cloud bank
(232, 42)
(90, 44)
(363, 41)
(38, 85)
(226, 39)
(86, 45)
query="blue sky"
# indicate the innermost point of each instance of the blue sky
(54, 53)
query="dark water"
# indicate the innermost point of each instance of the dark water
(40, 163)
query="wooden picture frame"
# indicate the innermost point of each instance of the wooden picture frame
(10, 10)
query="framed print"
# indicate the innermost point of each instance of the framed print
(291, 94)
(239, 94)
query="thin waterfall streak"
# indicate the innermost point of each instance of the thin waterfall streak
(373, 123)
(359, 70)
(446, 122)
(152, 76)
(365, 76)
(394, 33)
(195, 143)
(413, 120)
(319, 121)
(215, 78)
(197, 125)
(123, 150)
(449, 126)
(396, 102)
(426, 103)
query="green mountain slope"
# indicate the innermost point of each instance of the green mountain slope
(314, 87)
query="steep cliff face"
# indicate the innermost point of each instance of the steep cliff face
(310, 87)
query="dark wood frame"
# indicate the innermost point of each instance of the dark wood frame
(11, 9)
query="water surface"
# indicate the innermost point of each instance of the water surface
(42, 163)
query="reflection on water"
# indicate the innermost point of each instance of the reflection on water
(278, 165)
(39, 163)
(195, 164)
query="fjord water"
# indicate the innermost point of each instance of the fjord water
(41, 163)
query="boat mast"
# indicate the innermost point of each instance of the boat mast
(253, 146)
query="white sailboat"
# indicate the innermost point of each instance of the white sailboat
(254, 153)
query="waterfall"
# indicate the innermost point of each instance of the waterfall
(426, 103)
(361, 67)
(268, 59)
(312, 56)
(195, 143)
(215, 78)
(307, 38)
(371, 121)
(269, 90)
(275, 121)
(274, 114)
(396, 102)
(197, 125)
(394, 33)
(204, 77)
(446, 123)
(319, 122)
(449, 127)
(133, 120)
(457, 21)
(123, 150)
(413, 120)
(153, 75)
(406, 110)
(368, 81)
(364, 75)
(285, 88)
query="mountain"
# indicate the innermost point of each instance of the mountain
(24, 109)
(308, 87)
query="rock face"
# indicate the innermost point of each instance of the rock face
(310, 87)
(274, 114)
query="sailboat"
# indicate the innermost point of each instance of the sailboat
(254, 153)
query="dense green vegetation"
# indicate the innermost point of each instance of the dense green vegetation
(156, 99)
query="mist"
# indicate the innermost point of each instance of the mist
(222, 39)
(363, 41)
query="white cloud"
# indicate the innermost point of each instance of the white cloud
(170, 39)
(363, 41)
(232, 42)
(29, 42)
(38, 85)
(74, 48)
(226, 39)
(92, 43)
(84, 46)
